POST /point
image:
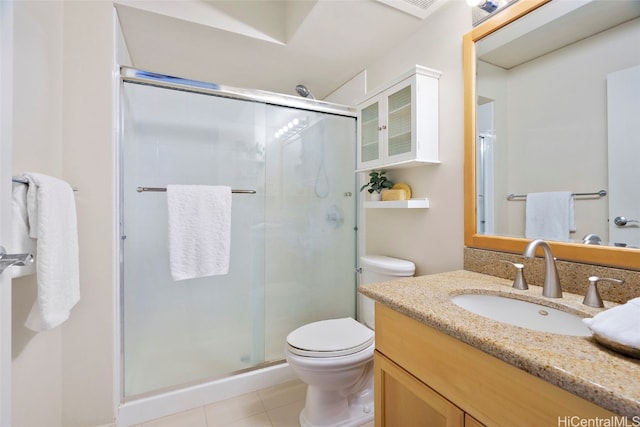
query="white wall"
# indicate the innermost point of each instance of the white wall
(37, 146)
(63, 127)
(492, 84)
(431, 238)
(88, 162)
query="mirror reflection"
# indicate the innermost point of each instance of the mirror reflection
(557, 125)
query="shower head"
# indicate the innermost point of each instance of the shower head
(304, 92)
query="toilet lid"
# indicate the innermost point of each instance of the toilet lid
(329, 338)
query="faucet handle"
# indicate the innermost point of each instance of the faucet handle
(519, 281)
(592, 297)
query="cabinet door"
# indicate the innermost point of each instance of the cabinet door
(402, 400)
(369, 152)
(400, 130)
(469, 421)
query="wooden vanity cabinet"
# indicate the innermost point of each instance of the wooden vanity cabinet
(405, 401)
(424, 377)
(469, 421)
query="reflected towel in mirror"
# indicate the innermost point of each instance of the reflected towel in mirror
(550, 215)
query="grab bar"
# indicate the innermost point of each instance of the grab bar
(162, 189)
(600, 193)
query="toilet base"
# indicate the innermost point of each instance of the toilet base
(329, 409)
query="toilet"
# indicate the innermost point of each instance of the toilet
(335, 357)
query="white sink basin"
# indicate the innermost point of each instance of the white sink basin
(523, 313)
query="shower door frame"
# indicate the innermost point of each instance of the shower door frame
(136, 76)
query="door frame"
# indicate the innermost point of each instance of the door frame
(622, 110)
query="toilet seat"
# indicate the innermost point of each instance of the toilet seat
(330, 338)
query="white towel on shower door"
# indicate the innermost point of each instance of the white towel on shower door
(51, 211)
(199, 230)
(550, 215)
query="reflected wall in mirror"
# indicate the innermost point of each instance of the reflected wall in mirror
(550, 107)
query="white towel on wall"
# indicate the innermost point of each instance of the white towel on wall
(199, 230)
(21, 242)
(52, 221)
(550, 215)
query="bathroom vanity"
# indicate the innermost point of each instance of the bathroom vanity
(441, 364)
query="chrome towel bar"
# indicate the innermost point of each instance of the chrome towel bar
(600, 193)
(162, 189)
(25, 181)
(19, 180)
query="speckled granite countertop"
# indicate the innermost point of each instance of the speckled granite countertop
(576, 364)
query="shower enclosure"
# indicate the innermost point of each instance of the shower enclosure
(292, 241)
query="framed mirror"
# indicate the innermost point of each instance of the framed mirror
(545, 112)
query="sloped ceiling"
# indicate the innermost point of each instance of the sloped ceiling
(263, 44)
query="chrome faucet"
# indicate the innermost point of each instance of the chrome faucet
(551, 287)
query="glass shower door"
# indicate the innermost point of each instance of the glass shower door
(311, 221)
(185, 331)
(292, 242)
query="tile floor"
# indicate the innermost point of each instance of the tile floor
(277, 406)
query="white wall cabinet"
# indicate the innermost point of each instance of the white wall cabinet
(398, 124)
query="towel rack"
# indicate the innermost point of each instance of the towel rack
(25, 181)
(600, 193)
(19, 180)
(162, 189)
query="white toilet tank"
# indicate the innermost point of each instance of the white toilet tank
(378, 268)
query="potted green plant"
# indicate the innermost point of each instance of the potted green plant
(377, 182)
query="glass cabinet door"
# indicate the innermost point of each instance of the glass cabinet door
(399, 122)
(391, 136)
(370, 133)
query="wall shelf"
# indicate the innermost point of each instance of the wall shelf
(398, 204)
(399, 165)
